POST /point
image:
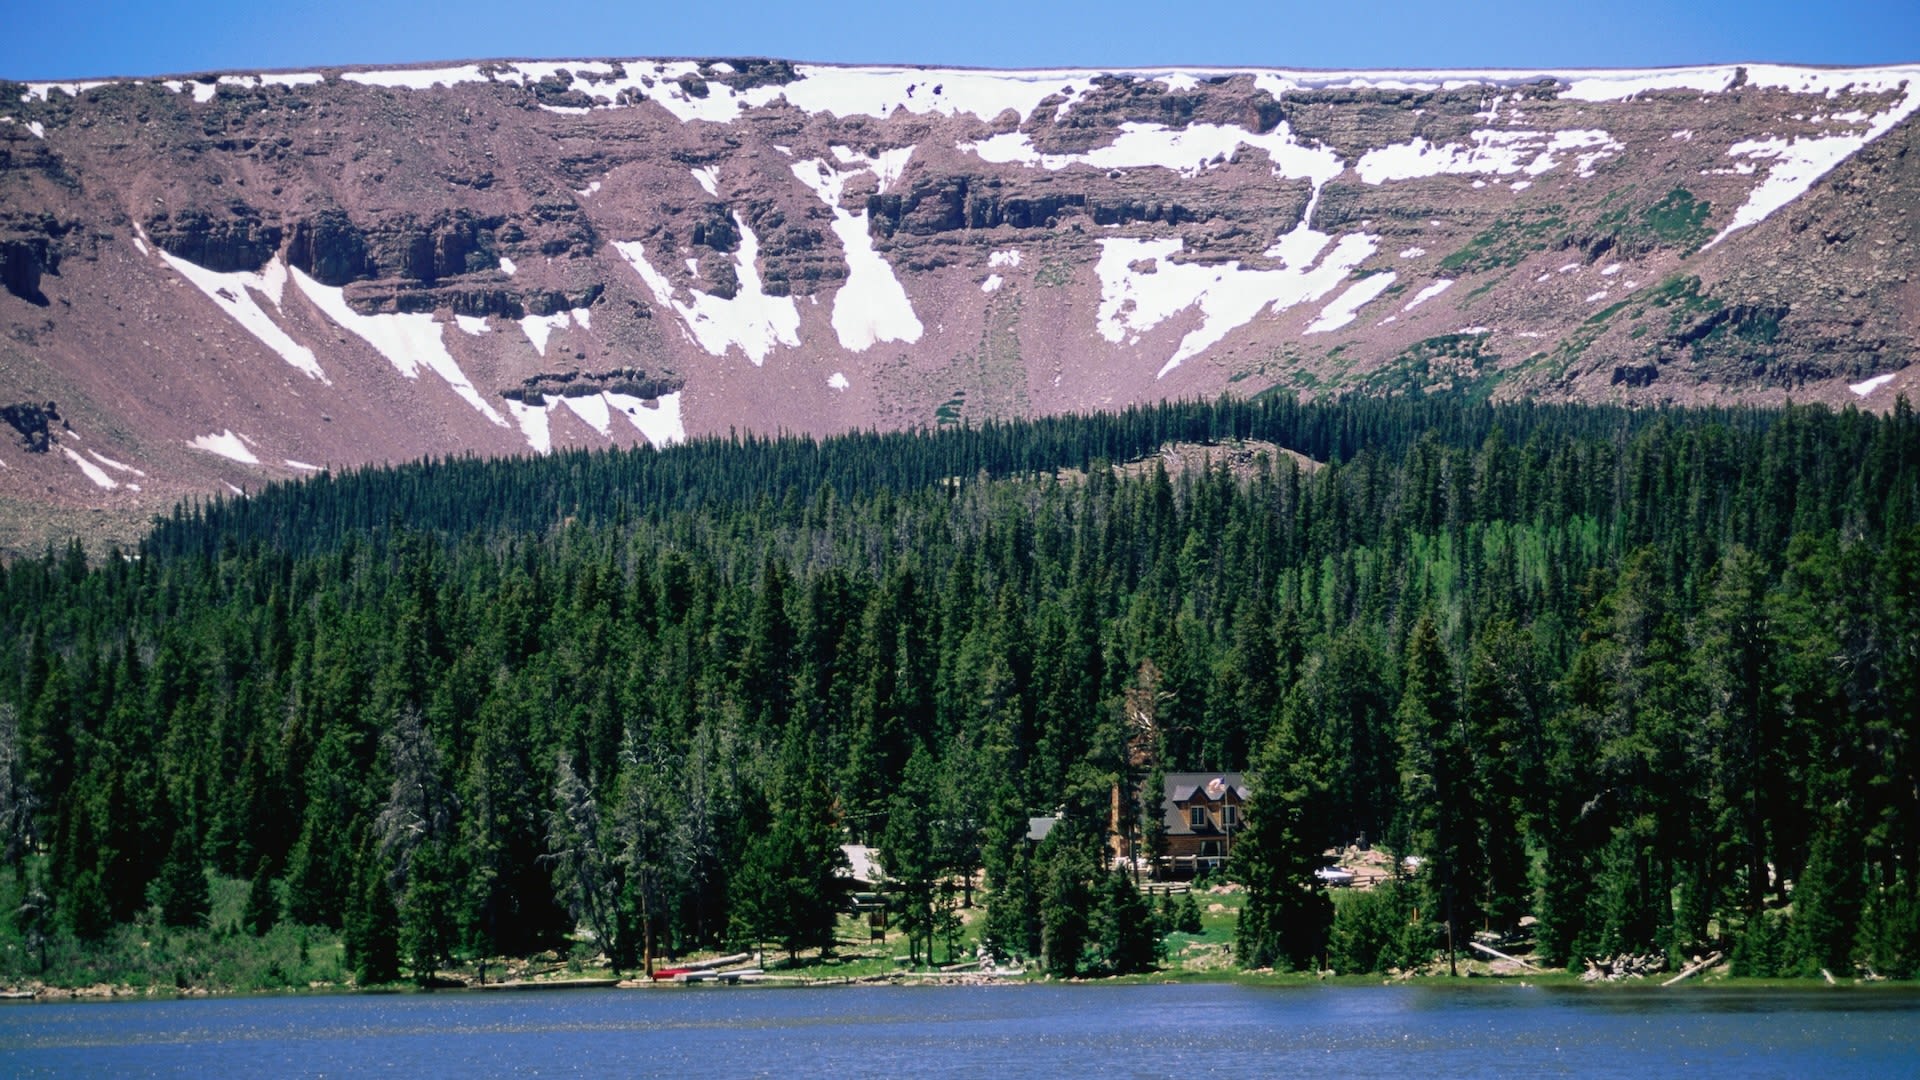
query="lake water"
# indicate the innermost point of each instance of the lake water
(1209, 1030)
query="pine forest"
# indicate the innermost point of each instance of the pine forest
(1609, 681)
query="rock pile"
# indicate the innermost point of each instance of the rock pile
(1623, 966)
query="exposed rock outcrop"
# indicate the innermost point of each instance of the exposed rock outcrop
(33, 422)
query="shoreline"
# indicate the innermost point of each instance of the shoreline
(103, 993)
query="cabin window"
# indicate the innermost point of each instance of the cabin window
(1197, 817)
(1209, 849)
(1230, 815)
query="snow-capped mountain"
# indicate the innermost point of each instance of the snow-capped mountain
(217, 281)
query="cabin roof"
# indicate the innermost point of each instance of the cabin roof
(1180, 790)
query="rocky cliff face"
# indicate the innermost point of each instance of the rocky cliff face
(225, 280)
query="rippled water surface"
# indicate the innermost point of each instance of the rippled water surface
(1424, 1032)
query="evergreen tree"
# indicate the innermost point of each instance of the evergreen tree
(1013, 908)
(1889, 936)
(1374, 931)
(1284, 923)
(85, 903)
(18, 806)
(1501, 711)
(33, 919)
(371, 934)
(1065, 900)
(262, 912)
(646, 827)
(182, 891)
(1743, 722)
(1187, 918)
(909, 851)
(1123, 926)
(427, 930)
(789, 885)
(1437, 793)
(1827, 902)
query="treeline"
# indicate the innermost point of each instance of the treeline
(1650, 678)
(457, 496)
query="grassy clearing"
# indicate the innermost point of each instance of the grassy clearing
(1678, 220)
(1509, 240)
(1208, 954)
(145, 957)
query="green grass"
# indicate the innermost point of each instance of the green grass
(1608, 312)
(1483, 289)
(1055, 274)
(1509, 240)
(145, 957)
(1681, 296)
(1679, 220)
(1208, 954)
(1456, 363)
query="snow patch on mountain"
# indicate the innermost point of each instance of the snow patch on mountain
(1140, 288)
(871, 307)
(1620, 85)
(418, 78)
(880, 92)
(93, 472)
(539, 328)
(204, 89)
(39, 91)
(680, 88)
(751, 320)
(534, 422)
(112, 464)
(1188, 151)
(1492, 153)
(408, 341)
(1800, 162)
(660, 422)
(1428, 293)
(593, 409)
(1347, 306)
(233, 292)
(1868, 386)
(228, 445)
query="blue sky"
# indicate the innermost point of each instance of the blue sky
(50, 40)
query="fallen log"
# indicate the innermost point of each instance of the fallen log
(1490, 951)
(718, 962)
(1712, 959)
